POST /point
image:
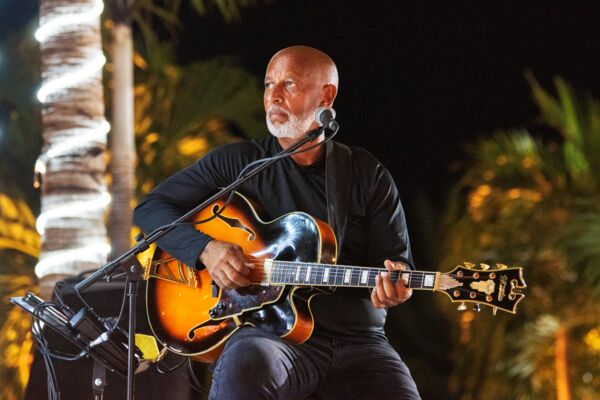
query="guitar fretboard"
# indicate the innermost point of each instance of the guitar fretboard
(314, 274)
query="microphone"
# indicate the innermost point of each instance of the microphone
(324, 116)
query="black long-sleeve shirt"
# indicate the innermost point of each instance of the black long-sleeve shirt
(375, 230)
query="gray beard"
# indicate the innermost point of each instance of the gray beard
(294, 128)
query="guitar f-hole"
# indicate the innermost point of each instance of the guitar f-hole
(233, 222)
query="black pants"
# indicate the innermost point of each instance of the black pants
(258, 365)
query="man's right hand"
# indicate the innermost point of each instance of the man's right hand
(226, 264)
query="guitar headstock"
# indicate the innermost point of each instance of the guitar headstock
(500, 287)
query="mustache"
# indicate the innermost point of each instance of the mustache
(275, 107)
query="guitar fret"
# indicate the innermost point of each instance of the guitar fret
(281, 275)
(318, 275)
(355, 277)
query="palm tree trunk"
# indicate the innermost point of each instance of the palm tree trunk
(122, 163)
(73, 191)
(563, 391)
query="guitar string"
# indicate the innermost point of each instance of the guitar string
(282, 264)
(293, 267)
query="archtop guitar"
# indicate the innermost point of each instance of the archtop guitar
(293, 260)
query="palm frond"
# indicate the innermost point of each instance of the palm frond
(581, 241)
(183, 111)
(523, 201)
(574, 118)
(15, 338)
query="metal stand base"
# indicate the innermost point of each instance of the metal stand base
(98, 380)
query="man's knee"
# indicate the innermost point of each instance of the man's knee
(258, 354)
(253, 364)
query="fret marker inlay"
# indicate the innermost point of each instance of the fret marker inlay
(364, 275)
(347, 275)
(326, 275)
(297, 273)
(429, 280)
(405, 277)
(307, 274)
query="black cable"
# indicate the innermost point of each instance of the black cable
(196, 386)
(38, 333)
(79, 296)
(116, 323)
(106, 322)
(42, 346)
(170, 369)
(199, 387)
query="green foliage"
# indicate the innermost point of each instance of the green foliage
(16, 277)
(532, 202)
(183, 111)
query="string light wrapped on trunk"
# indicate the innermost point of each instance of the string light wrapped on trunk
(70, 169)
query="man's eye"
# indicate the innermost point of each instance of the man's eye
(268, 85)
(289, 83)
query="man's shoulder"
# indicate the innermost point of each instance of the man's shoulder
(362, 157)
(247, 149)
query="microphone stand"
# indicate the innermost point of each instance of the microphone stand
(132, 266)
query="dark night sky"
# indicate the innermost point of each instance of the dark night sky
(419, 80)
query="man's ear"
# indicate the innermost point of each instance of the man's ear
(329, 92)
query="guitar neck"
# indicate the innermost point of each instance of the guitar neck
(332, 275)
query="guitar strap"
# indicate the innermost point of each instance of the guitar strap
(338, 185)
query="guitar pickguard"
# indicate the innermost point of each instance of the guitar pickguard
(243, 299)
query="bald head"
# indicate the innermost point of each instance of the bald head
(315, 62)
(298, 81)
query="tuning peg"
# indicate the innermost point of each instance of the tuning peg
(469, 265)
(484, 267)
(494, 310)
(477, 307)
(462, 307)
(501, 266)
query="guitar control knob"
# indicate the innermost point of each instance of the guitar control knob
(477, 307)
(212, 313)
(462, 307)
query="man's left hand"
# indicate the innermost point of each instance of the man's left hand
(387, 293)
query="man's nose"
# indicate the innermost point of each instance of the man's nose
(276, 95)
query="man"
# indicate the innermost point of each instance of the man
(347, 356)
